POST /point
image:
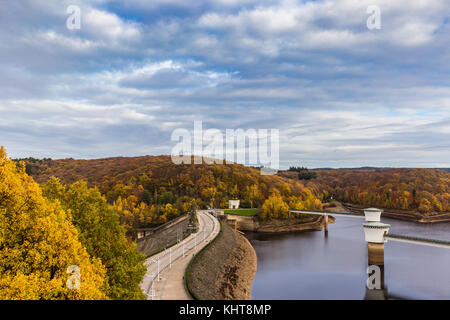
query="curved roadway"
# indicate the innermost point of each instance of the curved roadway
(165, 271)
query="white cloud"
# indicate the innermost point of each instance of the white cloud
(101, 24)
(138, 69)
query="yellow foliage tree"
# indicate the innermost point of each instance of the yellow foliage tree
(253, 194)
(209, 195)
(274, 207)
(38, 243)
(170, 211)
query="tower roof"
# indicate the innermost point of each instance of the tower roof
(372, 210)
(376, 225)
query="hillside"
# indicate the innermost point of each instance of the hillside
(151, 190)
(422, 191)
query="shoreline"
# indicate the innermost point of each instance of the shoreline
(253, 224)
(286, 226)
(404, 215)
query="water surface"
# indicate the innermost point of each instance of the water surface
(311, 266)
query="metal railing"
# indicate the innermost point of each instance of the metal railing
(418, 240)
(322, 213)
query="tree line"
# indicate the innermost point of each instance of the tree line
(151, 190)
(423, 190)
(303, 173)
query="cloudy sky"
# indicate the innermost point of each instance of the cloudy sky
(342, 95)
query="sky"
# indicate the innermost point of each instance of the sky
(341, 94)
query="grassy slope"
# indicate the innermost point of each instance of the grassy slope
(243, 212)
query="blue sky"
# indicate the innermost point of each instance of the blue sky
(340, 94)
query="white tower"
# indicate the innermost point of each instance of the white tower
(374, 230)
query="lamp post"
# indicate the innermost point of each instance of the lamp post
(152, 294)
(157, 263)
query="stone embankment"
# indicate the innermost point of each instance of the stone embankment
(224, 270)
(246, 223)
(406, 215)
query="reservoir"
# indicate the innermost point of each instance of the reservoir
(310, 265)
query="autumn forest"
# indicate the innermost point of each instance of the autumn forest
(55, 213)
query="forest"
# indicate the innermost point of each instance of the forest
(58, 213)
(423, 190)
(150, 190)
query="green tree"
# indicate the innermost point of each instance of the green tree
(146, 196)
(307, 175)
(103, 236)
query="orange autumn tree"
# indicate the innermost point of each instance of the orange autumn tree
(38, 243)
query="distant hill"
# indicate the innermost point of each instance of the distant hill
(156, 172)
(376, 168)
(419, 190)
(155, 180)
(444, 169)
(139, 185)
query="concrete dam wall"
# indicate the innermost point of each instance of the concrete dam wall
(155, 240)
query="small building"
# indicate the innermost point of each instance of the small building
(233, 204)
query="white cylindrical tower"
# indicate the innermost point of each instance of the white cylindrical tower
(375, 231)
(373, 228)
(372, 214)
